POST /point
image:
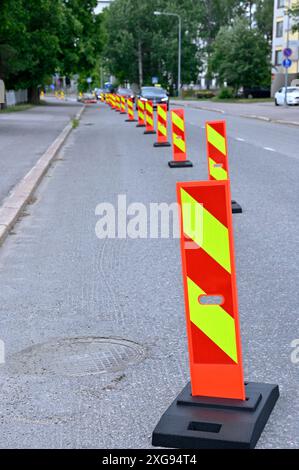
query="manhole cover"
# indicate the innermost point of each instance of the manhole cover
(76, 357)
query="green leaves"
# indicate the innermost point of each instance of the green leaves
(240, 56)
(140, 45)
(41, 37)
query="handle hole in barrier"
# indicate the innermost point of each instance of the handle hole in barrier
(218, 165)
(204, 427)
(211, 299)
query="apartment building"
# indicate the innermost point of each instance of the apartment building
(283, 37)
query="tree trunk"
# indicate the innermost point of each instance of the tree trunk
(140, 65)
(33, 95)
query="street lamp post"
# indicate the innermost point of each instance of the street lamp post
(158, 13)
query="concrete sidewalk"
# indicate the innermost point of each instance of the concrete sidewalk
(26, 135)
(265, 111)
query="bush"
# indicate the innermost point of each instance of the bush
(226, 93)
(205, 95)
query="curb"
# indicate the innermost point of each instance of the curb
(14, 204)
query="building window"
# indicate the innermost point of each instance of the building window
(279, 29)
(280, 3)
(278, 57)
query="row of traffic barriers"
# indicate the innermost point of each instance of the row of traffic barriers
(217, 409)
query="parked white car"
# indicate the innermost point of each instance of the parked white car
(292, 96)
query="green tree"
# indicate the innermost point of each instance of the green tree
(264, 18)
(241, 56)
(41, 37)
(140, 45)
(12, 37)
(294, 12)
(36, 45)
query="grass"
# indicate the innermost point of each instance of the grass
(75, 123)
(243, 100)
(17, 108)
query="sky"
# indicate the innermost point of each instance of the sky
(101, 6)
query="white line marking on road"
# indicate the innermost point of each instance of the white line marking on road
(240, 139)
(270, 149)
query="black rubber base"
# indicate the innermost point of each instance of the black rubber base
(122, 113)
(140, 125)
(149, 132)
(131, 120)
(162, 144)
(236, 208)
(184, 164)
(216, 423)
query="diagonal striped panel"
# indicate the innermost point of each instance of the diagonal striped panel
(162, 129)
(179, 142)
(179, 122)
(149, 107)
(216, 139)
(213, 321)
(162, 113)
(205, 230)
(149, 120)
(217, 171)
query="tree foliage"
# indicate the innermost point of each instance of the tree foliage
(140, 45)
(294, 11)
(240, 56)
(41, 37)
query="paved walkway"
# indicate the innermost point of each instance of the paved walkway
(26, 135)
(266, 111)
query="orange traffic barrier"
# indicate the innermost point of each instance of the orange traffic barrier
(179, 140)
(149, 118)
(141, 116)
(118, 104)
(113, 101)
(217, 154)
(209, 271)
(162, 126)
(217, 410)
(130, 107)
(123, 105)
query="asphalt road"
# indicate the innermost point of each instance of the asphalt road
(61, 284)
(26, 135)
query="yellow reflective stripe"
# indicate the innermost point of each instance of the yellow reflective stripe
(179, 142)
(213, 321)
(149, 120)
(141, 105)
(162, 129)
(149, 108)
(141, 115)
(216, 139)
(205, 230)
(162, 113)
(178, 121)
(217, 172)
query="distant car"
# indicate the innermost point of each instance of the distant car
(155, 94)
(127, 93)
(89, 98)
(292, 96)
(254, 92)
